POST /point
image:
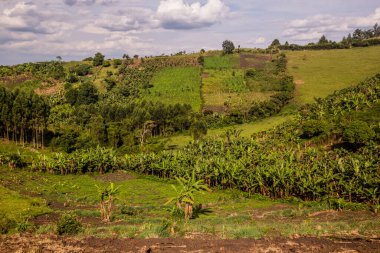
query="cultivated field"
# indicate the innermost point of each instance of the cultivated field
(176, 85)
(140, 210)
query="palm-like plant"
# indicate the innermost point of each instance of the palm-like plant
(185, 198)
(107, 196)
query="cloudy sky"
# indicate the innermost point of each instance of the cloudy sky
(38, 30)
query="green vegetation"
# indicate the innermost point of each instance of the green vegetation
(320, 73)
(105, 142)
(18, 207)
(69, 225)
(246, 130)
(227, 163)
(176, 85)
(222, 61)
(140, 211)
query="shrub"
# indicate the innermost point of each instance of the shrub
(24, 226)
(198, 129)
(72, 78)
(250, 73)
(81, 69)
(106, 64)
(358, 132)
(312, 128)
(117, 62)
(68, 224)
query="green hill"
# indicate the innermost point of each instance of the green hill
(320, 73)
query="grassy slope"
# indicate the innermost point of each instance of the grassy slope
(18, 207)
(218, 61)
(320, 73)
(177, 85)
(230, 214)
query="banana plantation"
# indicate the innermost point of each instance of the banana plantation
(280, 163)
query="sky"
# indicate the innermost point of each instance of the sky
(41, 30)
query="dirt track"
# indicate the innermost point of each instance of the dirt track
(53, 243)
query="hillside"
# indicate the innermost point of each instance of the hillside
(320, 73)
(97, 152)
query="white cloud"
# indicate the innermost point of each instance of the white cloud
(176, 14)
(260, 40)
(130, 20)
(314, 27)
(26, 17)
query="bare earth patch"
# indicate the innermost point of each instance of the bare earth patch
(54, 243)
(205, 75)
(48, 89)
(254, 61)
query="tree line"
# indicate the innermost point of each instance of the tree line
(359, 38)
(23, 117)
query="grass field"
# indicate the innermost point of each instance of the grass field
(176, 85)
(140, 210)
(320, 73)
(219, 62)
(18, 207)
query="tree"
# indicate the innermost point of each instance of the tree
(98, 59)
(323, 40)
(376, 30)
(228, 47)
(87, 94)
(275, 43)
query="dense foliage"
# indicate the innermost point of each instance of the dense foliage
(359, 38)
(23, 116)
(279, 163)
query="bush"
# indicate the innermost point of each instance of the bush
(312, 128)
(12, 160)
(358, 132)
(68, 224)
(72, 78)
(24, 226)
(198, 129)
(250, 73)
(106, 64)
(117, 62)
(81, 69)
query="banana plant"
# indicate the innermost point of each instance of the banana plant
(185, 198)
(107, 195)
